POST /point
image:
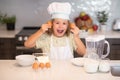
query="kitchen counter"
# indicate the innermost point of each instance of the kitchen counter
(60, 70)
(11, 34)
(4, 33)
(108, 34)
(8, 34)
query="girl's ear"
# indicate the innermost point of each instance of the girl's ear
(72, 25)
(49, 23)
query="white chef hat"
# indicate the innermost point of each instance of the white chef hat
(59, 10)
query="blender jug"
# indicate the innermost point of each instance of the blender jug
(95, 46)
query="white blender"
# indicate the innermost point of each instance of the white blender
(95, 47)
(94, 54)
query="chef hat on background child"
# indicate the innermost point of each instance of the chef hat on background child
(59, 10)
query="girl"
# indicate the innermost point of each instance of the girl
(59, 38)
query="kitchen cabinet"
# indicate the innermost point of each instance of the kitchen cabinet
(7, 48)
(75, 53)
(114, 48)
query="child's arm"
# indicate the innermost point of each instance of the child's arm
(80, 46)
(32, 39)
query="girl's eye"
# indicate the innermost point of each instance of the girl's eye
(57, 22)
(64, 23)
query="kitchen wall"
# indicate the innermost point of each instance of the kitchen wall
(34, 12)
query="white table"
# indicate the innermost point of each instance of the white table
(60, 70)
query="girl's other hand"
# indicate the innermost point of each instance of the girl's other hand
(74, 29)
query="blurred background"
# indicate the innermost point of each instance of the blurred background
(34, 12)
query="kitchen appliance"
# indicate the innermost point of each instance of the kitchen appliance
(22, 36)
(116, 25)
(95, 47)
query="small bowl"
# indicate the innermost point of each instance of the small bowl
(25, 60)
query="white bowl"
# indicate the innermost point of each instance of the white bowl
(79, 61)
(25, 60)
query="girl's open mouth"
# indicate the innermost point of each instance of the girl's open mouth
(60, 31)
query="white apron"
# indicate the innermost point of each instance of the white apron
(60, 53)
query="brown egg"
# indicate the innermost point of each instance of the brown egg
(49, 23)
(41, 65)
(72, 25)
(48, 65)
(35, 65)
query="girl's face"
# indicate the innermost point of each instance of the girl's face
(59, 27)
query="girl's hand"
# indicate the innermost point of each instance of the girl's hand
(74, 29)
(45, 27)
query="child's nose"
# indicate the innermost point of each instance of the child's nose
(61, 25)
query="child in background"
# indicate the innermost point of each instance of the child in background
(59, 38)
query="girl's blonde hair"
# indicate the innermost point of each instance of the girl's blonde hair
(50, 30)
